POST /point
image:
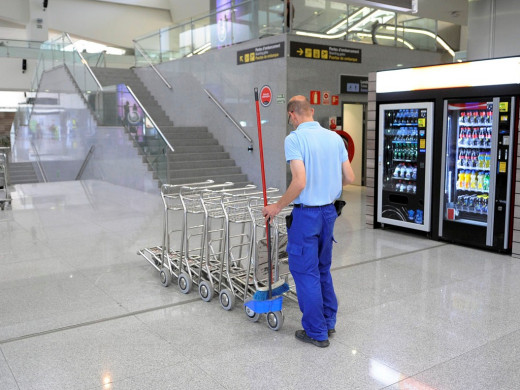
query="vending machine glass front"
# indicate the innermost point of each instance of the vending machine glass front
(469, 132)
(405, 133)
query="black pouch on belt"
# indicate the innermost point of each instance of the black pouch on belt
(288, 220)
(339, 204)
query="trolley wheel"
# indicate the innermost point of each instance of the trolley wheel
(275, 320)
(227, 299)
(166, 277)
(184, 282)
(251, 315)
(206, 291)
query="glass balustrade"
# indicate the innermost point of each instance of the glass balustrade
(118, 106)
(238, 21)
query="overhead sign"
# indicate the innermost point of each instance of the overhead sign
(325, 52)
(261, 53)
(353, 84)
(266, 95)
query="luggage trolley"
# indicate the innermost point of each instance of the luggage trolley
(279, 256)
(228, 251)
(195, 201)
(165, 258)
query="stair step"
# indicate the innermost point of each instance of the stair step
(198, 149)
(221, 171)
(198, 156)
(236, 178)
(201, 164)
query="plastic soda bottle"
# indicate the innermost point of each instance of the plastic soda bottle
(487, 159)
(485, 185)
(467, 180)
(481, 160)
(462, 179)
(480, 181)
(473, 182)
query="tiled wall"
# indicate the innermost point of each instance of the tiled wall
(371, 151)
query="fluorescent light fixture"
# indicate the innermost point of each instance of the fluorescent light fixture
(318, 35)
(92, 47)
(457, 75)
(388, 37)
(441, 41)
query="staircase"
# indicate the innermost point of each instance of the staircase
(21, 173)
(197, 156)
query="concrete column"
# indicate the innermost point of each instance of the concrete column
(493, 29)
(37, 29)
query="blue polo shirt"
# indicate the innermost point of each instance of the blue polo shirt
(323, 153)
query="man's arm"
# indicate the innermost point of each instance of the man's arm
(348, 175)
(297, 185)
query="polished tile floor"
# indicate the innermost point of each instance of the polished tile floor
(79, 309)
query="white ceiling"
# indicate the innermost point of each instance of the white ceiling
(453, 11)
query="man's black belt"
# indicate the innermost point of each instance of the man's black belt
(301, 205)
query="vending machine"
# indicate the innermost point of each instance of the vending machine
(404, 165)
(478, 141)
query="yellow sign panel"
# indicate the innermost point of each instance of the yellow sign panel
(422, 143)
(504, 106)
(502, 167)
(421, 122)
(246, 56)
(324, 54)
(252, 56)
(316, 53)
(308, 52)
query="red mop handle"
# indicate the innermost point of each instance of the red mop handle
(267, 224)
(261, 146)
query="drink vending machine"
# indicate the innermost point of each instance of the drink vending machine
(405, 163)
(478, 138)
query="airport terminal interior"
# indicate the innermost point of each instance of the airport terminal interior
(87, 301)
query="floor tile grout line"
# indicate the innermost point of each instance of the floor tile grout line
(386, 257)
(94, 322)
(88, 323)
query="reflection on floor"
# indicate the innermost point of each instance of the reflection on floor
(79, 309)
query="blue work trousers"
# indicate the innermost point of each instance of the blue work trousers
(310, 256)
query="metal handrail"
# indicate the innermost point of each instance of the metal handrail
(149, 117)
(147, 58)
(38, 162)
(102, 57)
(86, 64)
(246, 136)
(85, 162)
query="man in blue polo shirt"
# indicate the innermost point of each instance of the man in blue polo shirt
(320, 168)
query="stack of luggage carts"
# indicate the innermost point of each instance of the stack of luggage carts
(214, 239)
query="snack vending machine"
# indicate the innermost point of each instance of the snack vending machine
(478, 141)
(405, 164)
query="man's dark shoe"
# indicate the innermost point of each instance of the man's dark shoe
(302, 335)
(331, 331)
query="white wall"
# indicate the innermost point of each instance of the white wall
(16, 11)
(114, 24)
(16, 80)
(183, 10)
(493, 29)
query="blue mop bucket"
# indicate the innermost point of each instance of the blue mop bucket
(267, 306)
